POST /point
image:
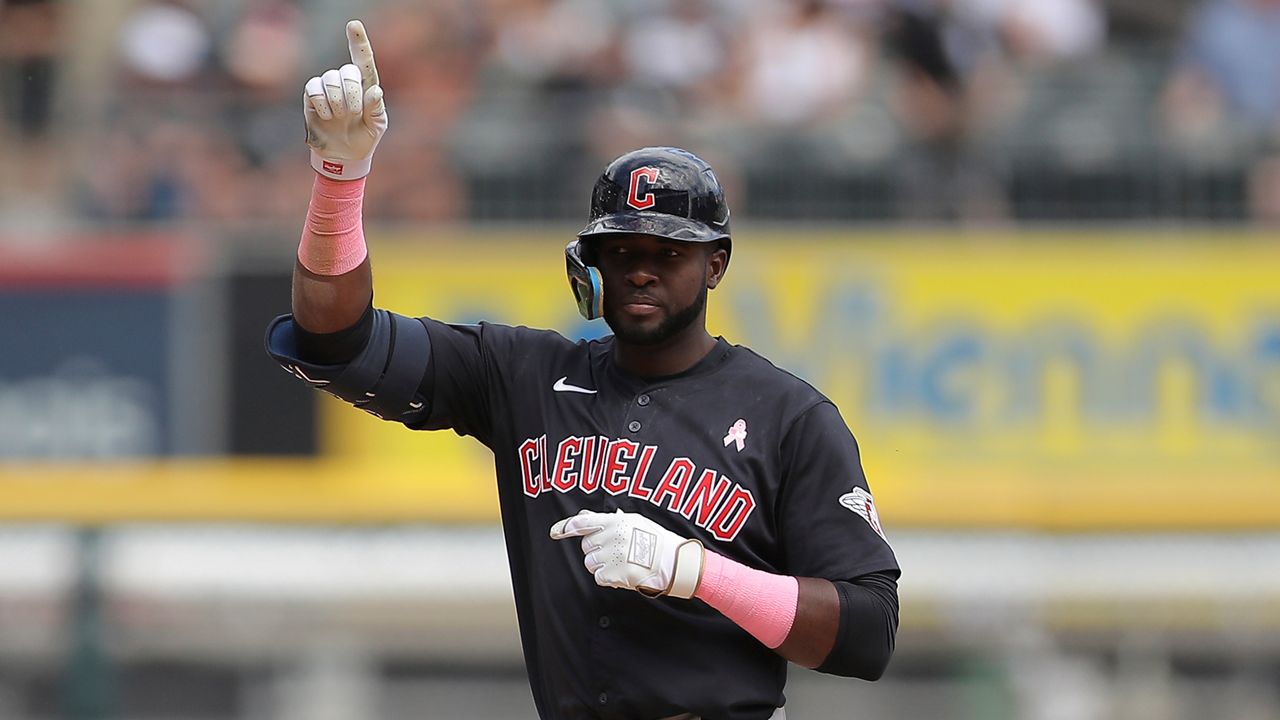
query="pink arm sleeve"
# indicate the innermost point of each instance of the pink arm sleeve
(333, 234)
(761, 603)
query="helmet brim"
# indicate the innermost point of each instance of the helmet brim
(663, 225)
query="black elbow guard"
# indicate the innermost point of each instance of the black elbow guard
(868, 627)
(384, 379)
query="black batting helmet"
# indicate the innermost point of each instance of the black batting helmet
(661, 191)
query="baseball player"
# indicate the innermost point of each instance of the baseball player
(681, 517)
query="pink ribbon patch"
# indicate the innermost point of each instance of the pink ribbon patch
(737, 434)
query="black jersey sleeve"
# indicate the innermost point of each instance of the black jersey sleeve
(478, 375)
(868, 627)
(827, 519)
(460, 378)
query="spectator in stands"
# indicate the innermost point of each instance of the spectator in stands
(562, 47)
(260, 55)
(940, 175)
(804, 63)
(159, 119)
(1228, 71)
(1221, 104)
(674, 85)
(31, 36)
(796, 73)
(165, 44)
(1036, 31)
(679, 49)
(31, 33)
(1264, 191)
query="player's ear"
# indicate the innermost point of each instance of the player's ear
(717, 264)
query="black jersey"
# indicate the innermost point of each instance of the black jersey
(735, 452)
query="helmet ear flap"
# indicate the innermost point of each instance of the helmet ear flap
(584, 281)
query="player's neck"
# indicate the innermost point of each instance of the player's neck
(671, 357)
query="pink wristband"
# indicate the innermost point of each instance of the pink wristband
(333, 235)
(761, 603)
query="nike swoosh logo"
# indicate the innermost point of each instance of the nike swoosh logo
(562, 386)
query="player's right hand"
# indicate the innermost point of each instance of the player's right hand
(344, 112)
(630, 551)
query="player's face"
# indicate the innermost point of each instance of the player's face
(655, 289)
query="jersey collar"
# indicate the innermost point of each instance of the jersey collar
(625, 380)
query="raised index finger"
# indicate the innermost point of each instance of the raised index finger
(362, 54)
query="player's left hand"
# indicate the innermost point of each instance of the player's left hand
(626, 550)
(345, 113)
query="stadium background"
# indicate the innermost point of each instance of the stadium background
(1028, 246)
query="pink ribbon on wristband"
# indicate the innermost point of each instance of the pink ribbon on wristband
(762, 603)
(333, 234)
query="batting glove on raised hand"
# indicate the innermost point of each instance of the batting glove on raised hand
(344, 112)
(626, 550)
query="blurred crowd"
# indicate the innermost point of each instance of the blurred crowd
(980, 111)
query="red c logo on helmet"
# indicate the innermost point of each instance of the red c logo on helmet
(634, 198)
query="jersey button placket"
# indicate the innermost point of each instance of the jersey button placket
(639, 411)
(602, 651)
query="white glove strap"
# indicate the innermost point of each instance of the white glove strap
(341, 169)
(688, 570)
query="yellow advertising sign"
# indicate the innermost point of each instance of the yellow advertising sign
(1062, 382)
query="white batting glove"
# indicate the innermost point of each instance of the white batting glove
(626, 550)
(344, 112)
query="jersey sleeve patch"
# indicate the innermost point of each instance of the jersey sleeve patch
(861, 503)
